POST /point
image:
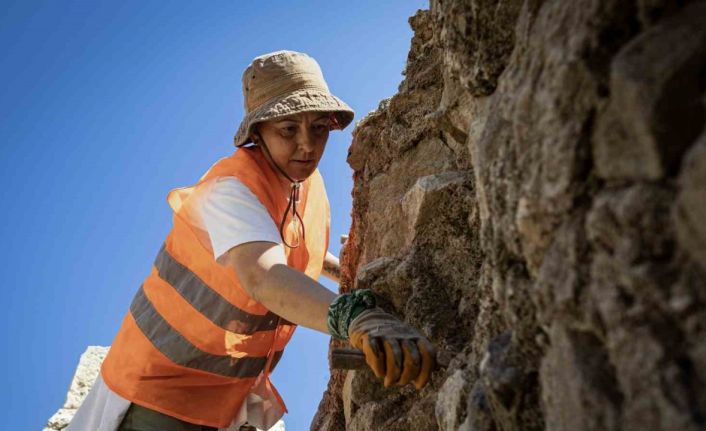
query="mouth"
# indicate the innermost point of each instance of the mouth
(304, 162)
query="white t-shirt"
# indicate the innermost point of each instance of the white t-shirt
(232, 215)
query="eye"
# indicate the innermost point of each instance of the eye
(321, 128)
(288, 131)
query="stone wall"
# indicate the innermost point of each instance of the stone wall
(86, 374)
(534, 200)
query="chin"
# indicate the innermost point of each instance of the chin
(301, 174)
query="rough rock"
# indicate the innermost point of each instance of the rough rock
(655, 109)
(690, 211)
(84, 377)
(533, 199)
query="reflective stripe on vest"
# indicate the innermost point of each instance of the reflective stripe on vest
(209, 302)
(175, 346)
(180, 351)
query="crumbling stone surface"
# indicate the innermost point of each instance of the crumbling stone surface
(690, 211)
(533, 199)
(82, 382)
(655, 109)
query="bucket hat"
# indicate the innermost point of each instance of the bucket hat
(283, 83)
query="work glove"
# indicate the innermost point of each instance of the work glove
(393, 350)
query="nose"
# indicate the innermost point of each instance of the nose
(307, 141)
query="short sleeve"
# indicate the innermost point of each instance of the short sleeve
(233, 215)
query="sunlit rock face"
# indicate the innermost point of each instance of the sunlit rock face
(86, 374)
(534, 200)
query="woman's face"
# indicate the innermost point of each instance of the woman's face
(296, 143)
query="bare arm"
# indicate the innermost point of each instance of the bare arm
(332, 268)
(264, 274)
(262, 268)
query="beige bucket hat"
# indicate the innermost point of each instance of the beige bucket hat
(282, 83)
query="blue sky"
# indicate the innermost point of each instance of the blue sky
(105, 107)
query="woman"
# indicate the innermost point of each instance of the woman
(237, 273)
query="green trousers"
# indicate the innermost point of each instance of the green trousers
(140, 418)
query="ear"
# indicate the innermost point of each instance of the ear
(255, 135)
(335, 124)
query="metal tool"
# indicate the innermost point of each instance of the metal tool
(347, 359)
(354, 359)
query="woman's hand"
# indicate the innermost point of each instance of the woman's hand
(394, 350)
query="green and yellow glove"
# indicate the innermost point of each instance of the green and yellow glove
(394, 350)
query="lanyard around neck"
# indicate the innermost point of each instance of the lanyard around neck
(295, 187)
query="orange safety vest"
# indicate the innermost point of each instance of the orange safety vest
(194, 343)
